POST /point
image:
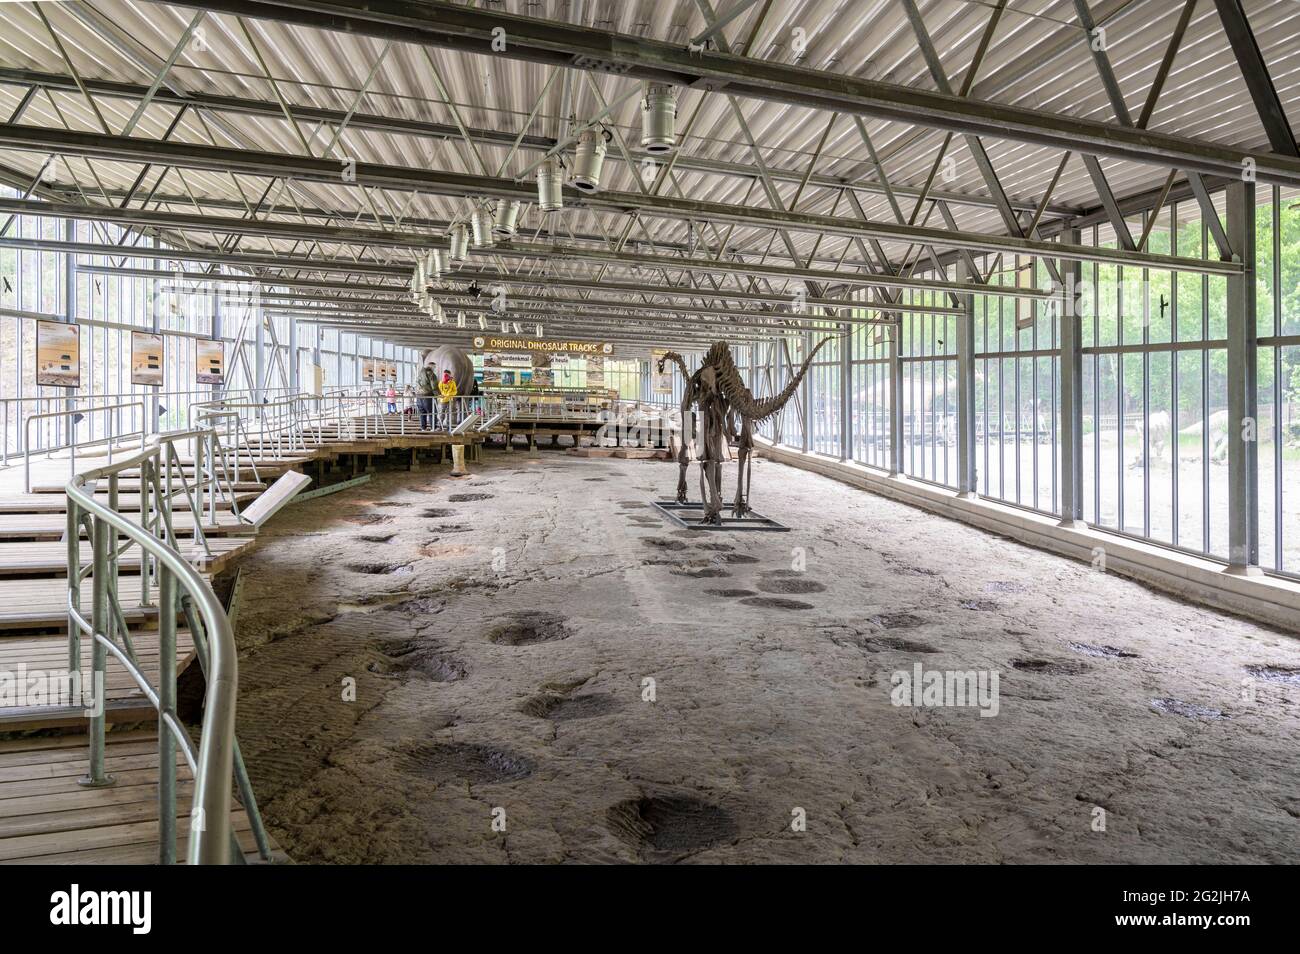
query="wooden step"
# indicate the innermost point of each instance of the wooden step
(48, 558)
(126, 503)
(52, 526)
(132, 486)
(42, 603)
(47, 818)
(123, 699)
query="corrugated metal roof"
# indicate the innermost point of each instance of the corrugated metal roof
(1038, 58)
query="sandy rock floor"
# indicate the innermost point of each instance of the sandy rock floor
(500, 630)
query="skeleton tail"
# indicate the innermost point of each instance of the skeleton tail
(757, 410)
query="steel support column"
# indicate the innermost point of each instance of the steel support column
(293, 355)
(846, 392)
(259, 353)
(967, 477)
(805, 391)
(70, 316)
(1070, 335)
(895, 358)
(1243, 421)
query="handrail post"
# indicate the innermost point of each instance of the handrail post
(96, 777)
(166, 707)
(73, 537)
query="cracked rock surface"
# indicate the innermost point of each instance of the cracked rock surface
(422, 666)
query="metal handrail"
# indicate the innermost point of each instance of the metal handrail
(284, 416)
(106, 409)
(72, 446)
(179, 585)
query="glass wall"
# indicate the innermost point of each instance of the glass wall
(117, 297)
(928, 352)
(1156, 432)
(823, 389)
(869, 404)
(1017, 365)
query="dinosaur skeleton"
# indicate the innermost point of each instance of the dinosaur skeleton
(720, 397)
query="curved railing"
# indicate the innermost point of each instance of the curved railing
(182, 592)
(73, 445)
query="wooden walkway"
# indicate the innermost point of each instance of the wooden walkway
(124, 700)
(58, 503)
(46, 558)
(45, 816)
(52, 526)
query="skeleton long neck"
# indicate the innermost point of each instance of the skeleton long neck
(677, 359)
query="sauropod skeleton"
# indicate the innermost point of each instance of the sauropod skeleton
(713, 399)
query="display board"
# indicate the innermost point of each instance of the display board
(58, 354)
(146, 359)
(512, 362)
(375, 371)
(209, 361)
(577, 349)
(661, 382)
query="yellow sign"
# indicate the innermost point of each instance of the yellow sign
(489, 343)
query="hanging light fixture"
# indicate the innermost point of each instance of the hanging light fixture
(507, 218)
(481, 221)
(459, 243)
(421, 280)
(434, 311)
(658, 119)
(589, 159)
(550, 178)
(432, 266)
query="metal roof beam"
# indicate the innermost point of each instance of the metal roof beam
(432, 130)
(470, 30)
(256, 162)
(1268, 104)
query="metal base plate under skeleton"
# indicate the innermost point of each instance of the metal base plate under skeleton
(690, 514)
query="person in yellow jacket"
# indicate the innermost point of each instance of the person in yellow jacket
(446, 391)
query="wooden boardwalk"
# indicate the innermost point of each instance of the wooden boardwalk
(124, 700)
(49, 558)
(58, 503)
(45, 816)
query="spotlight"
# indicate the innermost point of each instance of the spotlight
(550, 178)
(589, 159)
(658, 119)
(459, 243)
(481, 221)
(507, 218)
